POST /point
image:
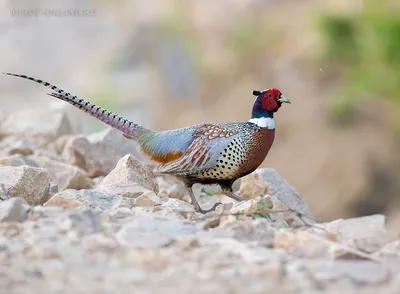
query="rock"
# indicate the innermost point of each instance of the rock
(65, 199)
(390, 251)
(13, 210)
(146, 232)
(170, 187)
(17, 160)
(282, 216)
(126, 190)
(286, 193)
(88, 152)
(66, 176)
(176, 191)
(324, 272)
(321, 241)
(78, 151)
(178, 206)
(30, 183)
(366, 233)
(252, 186)
(17, 145)
(36, 121)
(257, 231)
(53, 189)
(57, 146)
(304, 244)
(148, 199)
(259, 205)
(130, 179)
(90, 198)
(130, 170)
(82, 222)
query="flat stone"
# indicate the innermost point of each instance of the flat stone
(30, 183)
(148, 199)
(94, 199)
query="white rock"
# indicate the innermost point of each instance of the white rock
(90, 198)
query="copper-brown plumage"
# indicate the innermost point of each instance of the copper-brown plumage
(204, 153)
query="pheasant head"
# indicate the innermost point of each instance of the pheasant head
(267, 102)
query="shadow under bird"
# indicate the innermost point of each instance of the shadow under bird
(204, 153)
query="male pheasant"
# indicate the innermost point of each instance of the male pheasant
(203, 153)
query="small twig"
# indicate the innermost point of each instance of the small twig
(213, 214)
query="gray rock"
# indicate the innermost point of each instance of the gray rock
(89, 152)
(66, 176)
(286, 193)
(89, 198)
(78, 151)
(30, 183)
(13, 210)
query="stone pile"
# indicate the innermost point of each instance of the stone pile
(81, 214)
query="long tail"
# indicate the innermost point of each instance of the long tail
(130, 129)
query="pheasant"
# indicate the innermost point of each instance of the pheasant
(204, 153)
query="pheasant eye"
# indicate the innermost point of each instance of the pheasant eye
(269, 95)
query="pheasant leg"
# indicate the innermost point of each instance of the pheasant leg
(234, 196)
(227, 191)
(196, 205)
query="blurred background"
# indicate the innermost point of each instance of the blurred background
(171, 63)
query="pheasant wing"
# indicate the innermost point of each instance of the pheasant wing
(209, 141)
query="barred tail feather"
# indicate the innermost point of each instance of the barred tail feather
(130, 129)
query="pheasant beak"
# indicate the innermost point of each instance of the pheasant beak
(284, 99)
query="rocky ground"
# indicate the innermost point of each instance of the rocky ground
(81, 214)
